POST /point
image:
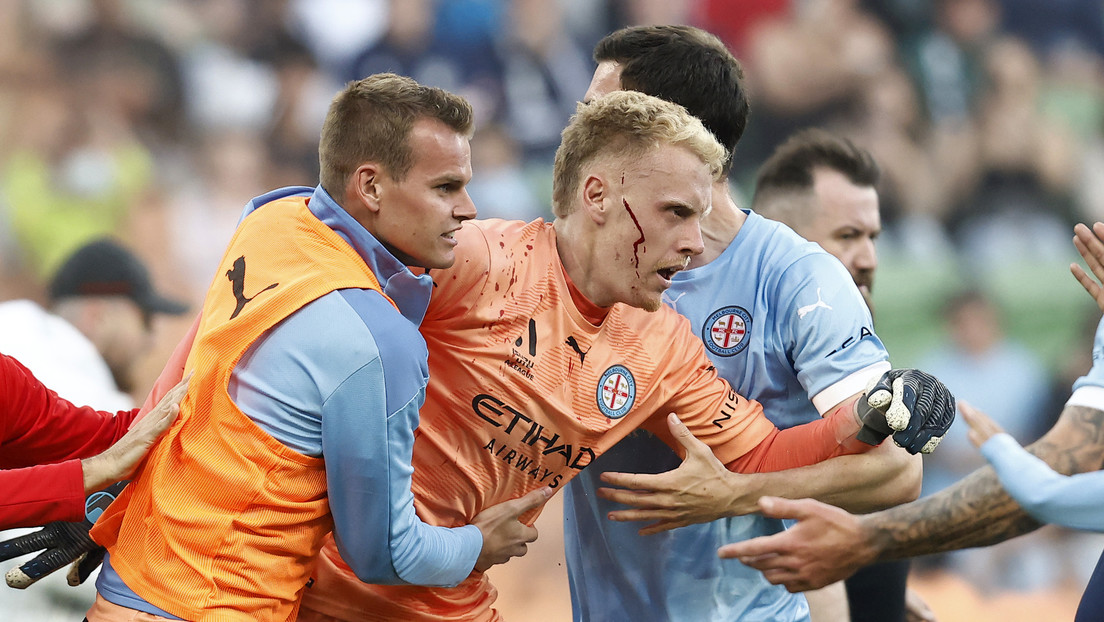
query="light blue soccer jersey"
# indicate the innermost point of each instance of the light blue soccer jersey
(784, 323)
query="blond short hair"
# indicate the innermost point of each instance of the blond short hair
(626, 124)
(370, 121)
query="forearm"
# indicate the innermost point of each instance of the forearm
(376, 528)
(861, 483)
(803, 445)
(1068, 500)
(977, 511)
(38, 495)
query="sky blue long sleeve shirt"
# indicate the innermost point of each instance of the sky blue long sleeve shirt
(343, 378)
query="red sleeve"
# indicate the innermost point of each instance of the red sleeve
(39, 428)
(802, 445)
(41, 494)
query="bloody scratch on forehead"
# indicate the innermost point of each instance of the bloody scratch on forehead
(640, 240)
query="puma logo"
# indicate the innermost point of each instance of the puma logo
(803, 311)
(673, 302)
(236, 275)
(575, 346)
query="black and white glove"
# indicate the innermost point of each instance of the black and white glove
(61, 544)
(913, 406)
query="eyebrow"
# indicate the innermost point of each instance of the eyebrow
(447, 178)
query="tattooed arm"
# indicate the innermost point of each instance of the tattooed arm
(829, 544)
(977, 511)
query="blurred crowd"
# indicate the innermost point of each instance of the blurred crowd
(121, 115)
(154, 122)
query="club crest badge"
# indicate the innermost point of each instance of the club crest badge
(616, 392)
(725, 331)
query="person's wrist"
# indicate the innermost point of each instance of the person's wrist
(95, 474)
(744, 492)
(875, 542)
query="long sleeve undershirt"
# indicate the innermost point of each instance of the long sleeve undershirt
(46, 436)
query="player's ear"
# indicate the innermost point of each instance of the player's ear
(595, 198)
(364, 185)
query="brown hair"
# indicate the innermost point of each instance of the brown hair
(370, 121)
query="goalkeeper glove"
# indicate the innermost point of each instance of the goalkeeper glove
(913, 406)
(61, 543)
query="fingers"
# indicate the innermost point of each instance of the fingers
(898, 414)
(18, 579)
(631, 497)
(685, 437)
(778, 507)
(640, 482)
(755, 552)
(1088, 284)
(982, 427)
(169, 406)
(27, 543)
(531, 501)
(1090, 246)
(43, 564)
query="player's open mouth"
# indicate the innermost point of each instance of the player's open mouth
(667, 273)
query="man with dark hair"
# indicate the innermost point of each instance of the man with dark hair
(784, 323)
(825, 188)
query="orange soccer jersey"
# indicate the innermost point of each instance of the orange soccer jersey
(525, 391)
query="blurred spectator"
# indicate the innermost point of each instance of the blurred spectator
(1047, 24)
(226, 88)
(72, 174)
(982, 365)
(112, 59)
(888, 120)
(994, 372)
(733, 22)
(808, 68)
(410, 47)
(1020, 205)
(86, 346)
(203, 212)
(336, 30)
(101, 297)
(545, 73)
(946, 59)
(499, 186)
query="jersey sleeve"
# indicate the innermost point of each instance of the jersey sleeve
(368, 421)
(40, 428)
(1048, 496)
(1088, 390)
(828, 331)
(714, 412)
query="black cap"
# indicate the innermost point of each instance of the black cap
(106, 268)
